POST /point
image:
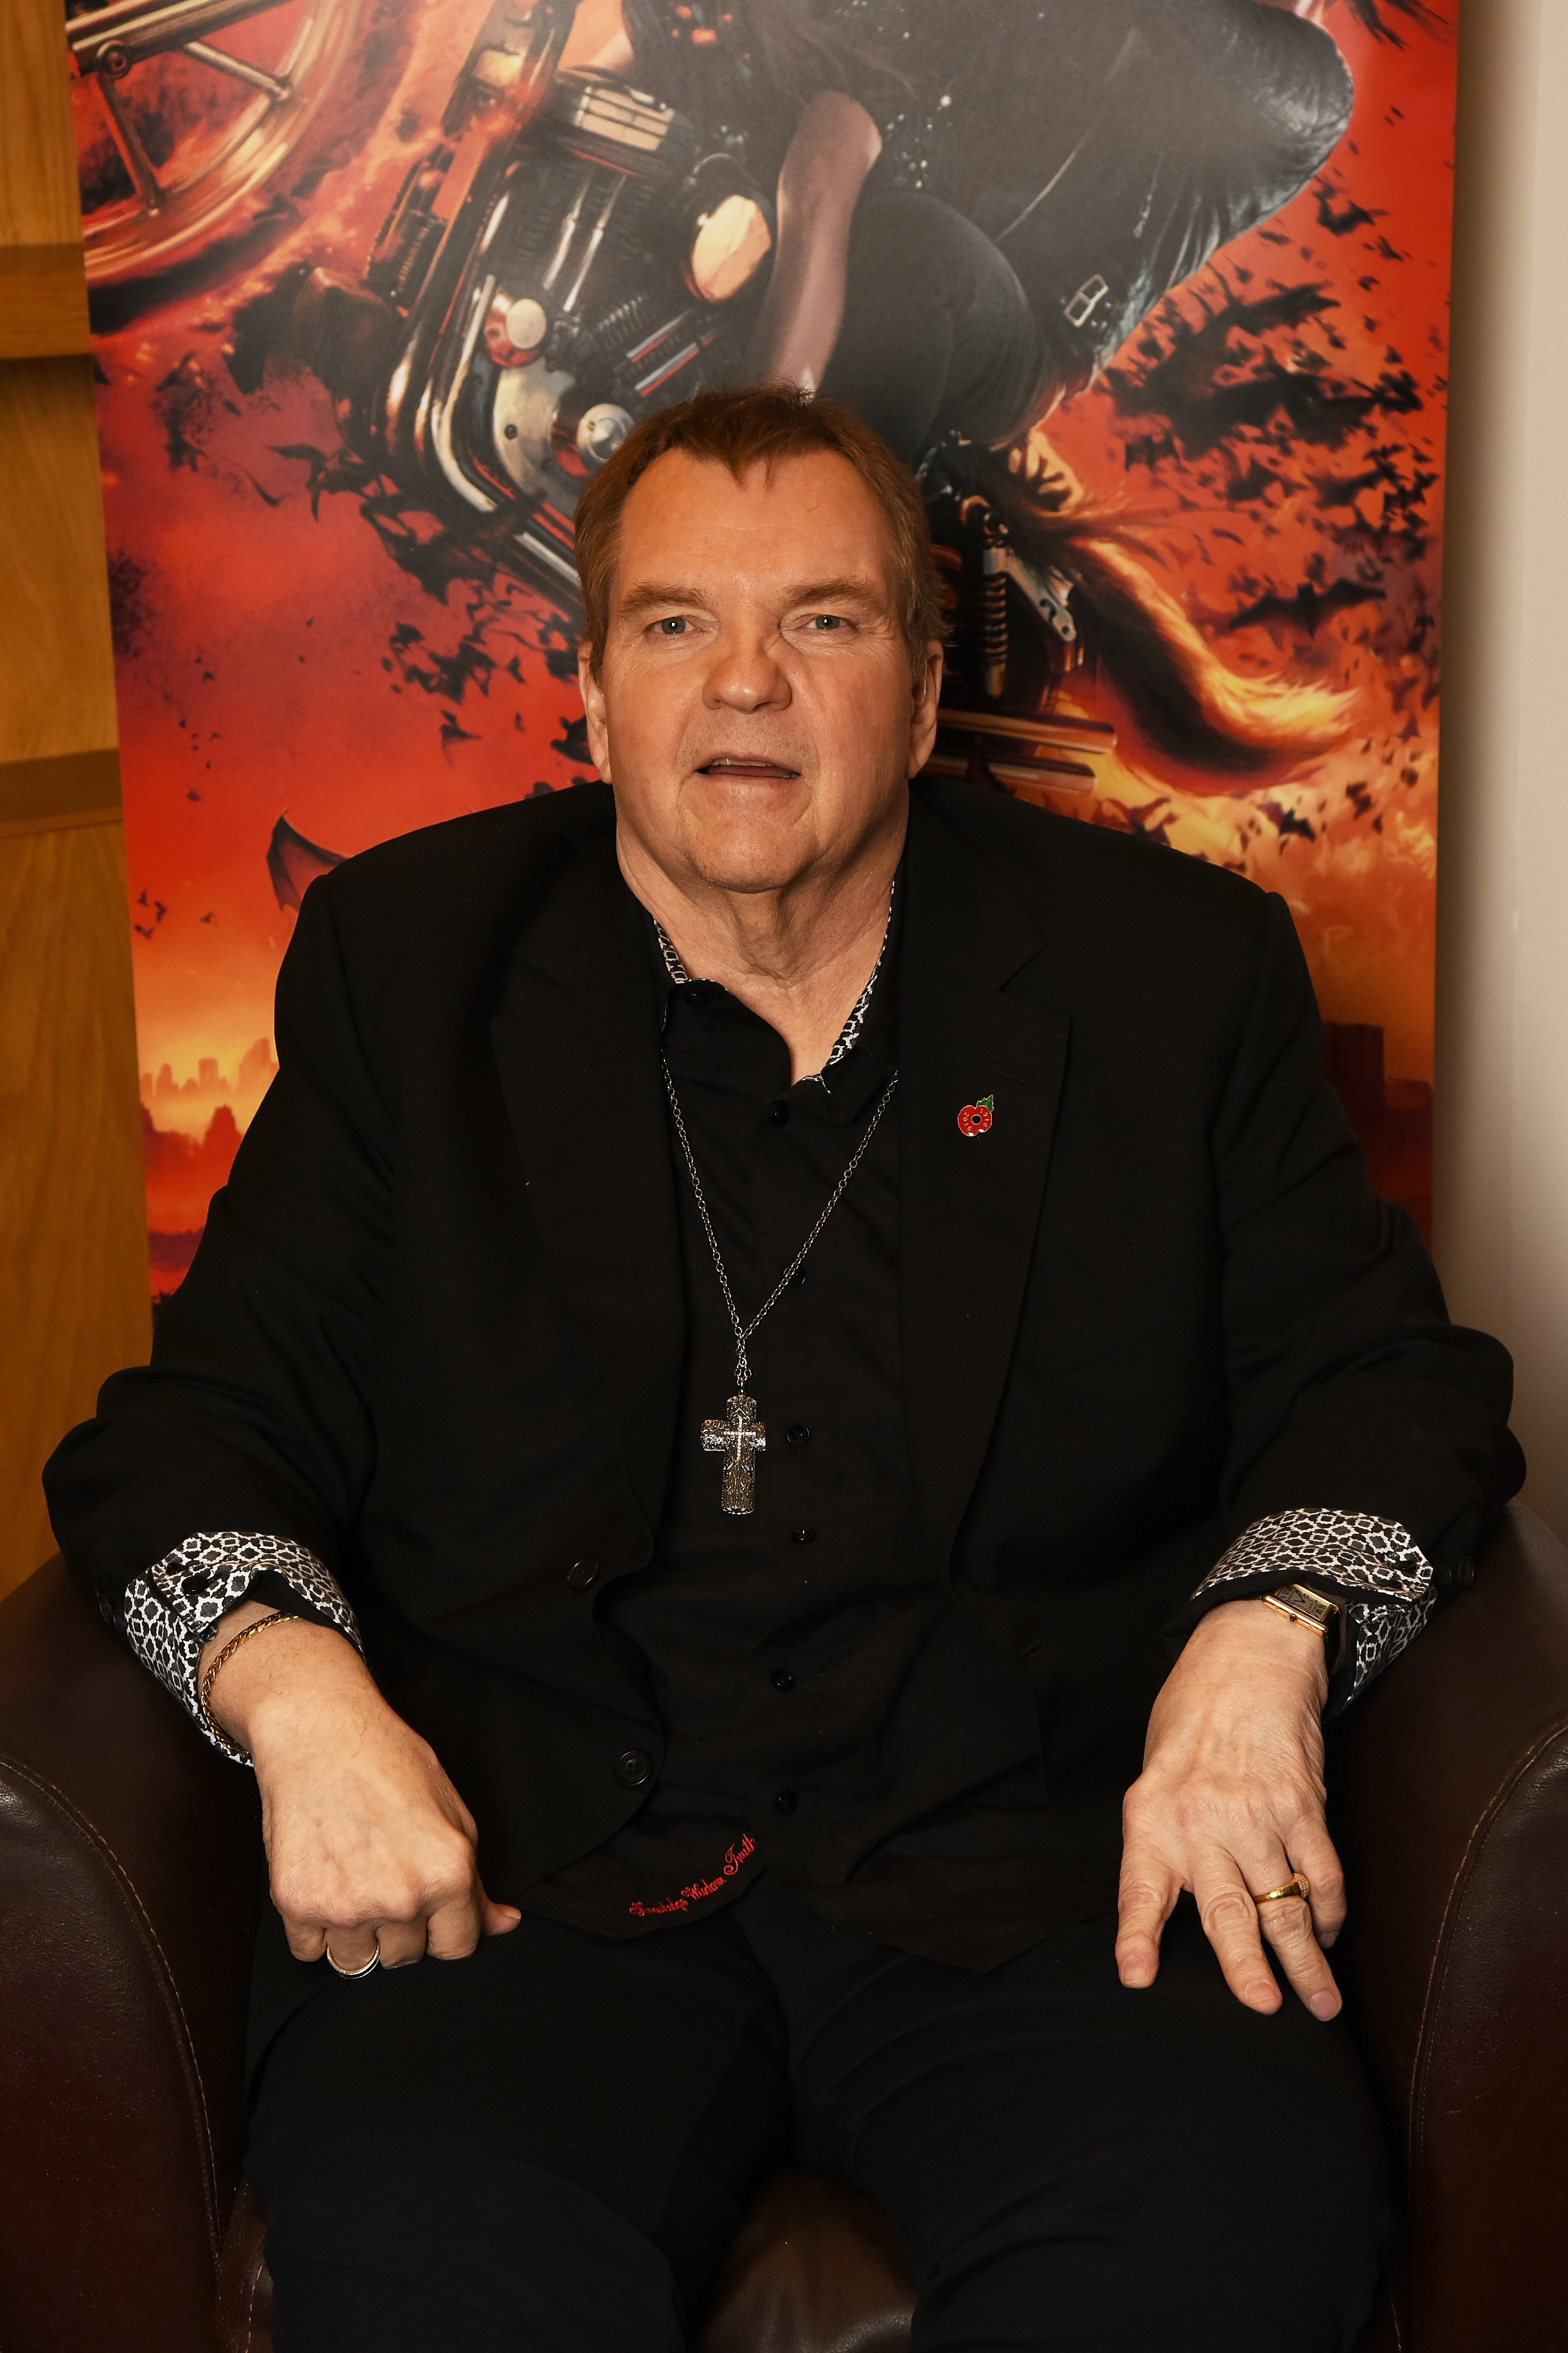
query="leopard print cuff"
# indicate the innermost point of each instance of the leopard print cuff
(171, 1609)
(1355, 1554)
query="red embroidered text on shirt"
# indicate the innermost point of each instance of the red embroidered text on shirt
(734, 1856)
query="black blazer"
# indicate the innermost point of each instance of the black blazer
(434, 1330)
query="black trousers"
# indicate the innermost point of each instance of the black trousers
(549, 2145)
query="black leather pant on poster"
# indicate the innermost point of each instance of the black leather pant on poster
(547, 2149)
(938, 335)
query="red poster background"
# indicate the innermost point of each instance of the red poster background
(284, 651)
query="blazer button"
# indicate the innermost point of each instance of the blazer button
(633, 1769)
(580, 1575)
(797, 1434)
(803, 1536)
(785, 1802)
(782, 1680)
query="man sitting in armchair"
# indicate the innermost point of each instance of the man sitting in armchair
(764, 1307)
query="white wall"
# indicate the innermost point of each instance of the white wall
(1502, 1178)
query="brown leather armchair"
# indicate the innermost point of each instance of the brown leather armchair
(130, 1878)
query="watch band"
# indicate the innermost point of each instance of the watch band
(1302, 1605)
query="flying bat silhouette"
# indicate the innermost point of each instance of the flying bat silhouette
(1308, 606)
(1350, 216)
(1286, 821)
(1194, 384)
(294, 863)
(1370, 14)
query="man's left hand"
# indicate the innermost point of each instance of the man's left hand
(1230, 1803)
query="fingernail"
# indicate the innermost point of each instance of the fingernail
(1324, 2005)
(1330, 1936)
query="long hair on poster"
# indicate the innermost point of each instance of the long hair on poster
(1151, 293)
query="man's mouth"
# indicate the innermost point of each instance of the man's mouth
(737, 764)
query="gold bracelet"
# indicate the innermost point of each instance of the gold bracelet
(232, 1747)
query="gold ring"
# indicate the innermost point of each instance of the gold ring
(1297, 1884)
(373, 1963)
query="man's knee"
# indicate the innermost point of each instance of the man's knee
(390, 2245)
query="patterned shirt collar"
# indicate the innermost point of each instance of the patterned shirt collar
(673, 975)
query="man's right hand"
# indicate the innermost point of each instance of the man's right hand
(370, 1847)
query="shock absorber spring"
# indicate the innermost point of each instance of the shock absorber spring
(994, 605)
(621, 325)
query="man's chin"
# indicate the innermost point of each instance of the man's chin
(751, 840)
(747, 876)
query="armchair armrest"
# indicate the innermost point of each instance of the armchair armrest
(1450, 1788)
(130, 1883)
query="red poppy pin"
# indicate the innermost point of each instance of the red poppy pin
(976, 1117)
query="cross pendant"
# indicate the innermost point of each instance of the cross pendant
(738, 1439)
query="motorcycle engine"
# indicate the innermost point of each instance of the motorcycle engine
(601, 266)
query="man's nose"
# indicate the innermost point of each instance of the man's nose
(745, 674)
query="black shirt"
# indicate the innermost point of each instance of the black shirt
(790, 1653)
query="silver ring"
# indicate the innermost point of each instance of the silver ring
(373, 1963)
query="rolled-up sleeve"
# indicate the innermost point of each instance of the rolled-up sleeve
(168, 1613)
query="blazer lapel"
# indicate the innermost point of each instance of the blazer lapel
(575, 1037)
(969, 1206)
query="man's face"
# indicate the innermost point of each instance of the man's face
(755, 709)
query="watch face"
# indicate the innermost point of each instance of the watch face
(1313, 1609)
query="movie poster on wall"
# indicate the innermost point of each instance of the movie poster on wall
(1153, 294)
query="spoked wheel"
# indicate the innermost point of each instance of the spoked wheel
(178, 134)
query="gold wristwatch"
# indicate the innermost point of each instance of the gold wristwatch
(1300, 1604)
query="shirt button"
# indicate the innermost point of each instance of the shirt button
(797, 1434)
(782, 1680)
(785, 1802)
(633, 1769)
(780, 1115)
(803, 1536)
(580, 1575)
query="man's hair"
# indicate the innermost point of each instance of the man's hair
(758, 424)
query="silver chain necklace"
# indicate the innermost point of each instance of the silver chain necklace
(739, 1438)
(850, 1032)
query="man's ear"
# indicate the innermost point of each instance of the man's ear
(923, 714)
(591, 691)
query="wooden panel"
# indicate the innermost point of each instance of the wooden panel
(54, 590)
(37, 162)
(73, 1264)
(43, 301)
(72, 788)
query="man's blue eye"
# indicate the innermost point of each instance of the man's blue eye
(675, 621)
(826, 621)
